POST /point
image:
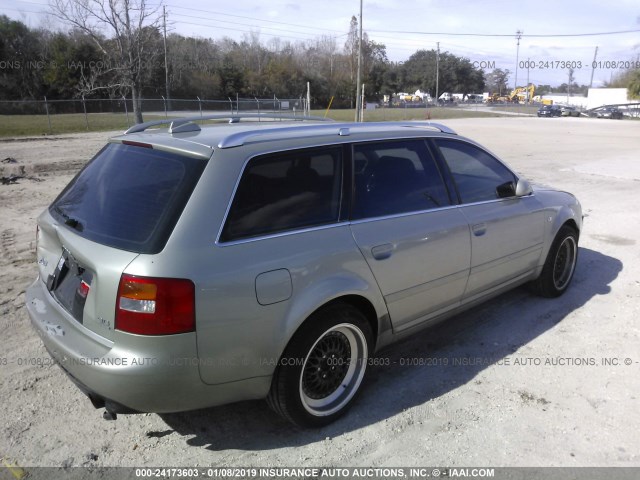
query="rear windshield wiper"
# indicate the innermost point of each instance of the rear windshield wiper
(70, 221)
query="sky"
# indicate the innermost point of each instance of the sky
(547, 46)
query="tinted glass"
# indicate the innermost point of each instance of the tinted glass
(476, 173)
(396, 177)
(286, 191)
(128, 197)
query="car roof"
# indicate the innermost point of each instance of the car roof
(187, 137)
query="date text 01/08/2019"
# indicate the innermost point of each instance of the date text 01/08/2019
(579, 64)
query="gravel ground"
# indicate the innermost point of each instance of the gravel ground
(519, 381)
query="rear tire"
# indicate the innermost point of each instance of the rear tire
(559, 266)
(320, 371)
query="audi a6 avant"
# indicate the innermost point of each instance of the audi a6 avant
(193, 264)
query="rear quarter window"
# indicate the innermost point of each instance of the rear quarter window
(128, 197)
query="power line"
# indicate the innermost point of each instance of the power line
(253, 18)
(241, 31)
(34, 3)
(395, 32)
(557, 35)
(25, 11)
(241, 24)
(390, 42)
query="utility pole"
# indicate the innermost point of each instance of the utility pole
(518, 36)
(593, 67)
(529, 100)
(166, 63)
(358, 100)
(437, 71)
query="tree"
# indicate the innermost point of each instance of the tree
(543, 89)
(634, 85)
(455, 74)
(351, 47)
(374, 65)
(21, 52)
(194, 64)
(129, 45)
(629, 79)
(66, 52)
(571, 80)
(351, 52)
(497, 81)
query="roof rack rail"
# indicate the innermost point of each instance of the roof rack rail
(237, 139)
(437, 126)
(186, 124)
(342, 129)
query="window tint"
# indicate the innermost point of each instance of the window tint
(478, 176)
(396, 177)
(286, 191)
(128, 197)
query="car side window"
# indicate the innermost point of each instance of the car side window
(396, 177)
(286, 191)
(478, 176)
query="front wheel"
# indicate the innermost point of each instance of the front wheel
(560, 264)
(322, 368)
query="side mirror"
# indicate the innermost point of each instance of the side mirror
(506, 190)
(523, 188)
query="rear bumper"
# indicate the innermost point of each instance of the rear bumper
(133, 373)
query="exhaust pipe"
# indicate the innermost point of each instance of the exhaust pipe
(109, 414)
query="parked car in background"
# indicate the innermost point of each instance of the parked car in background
(193, 266)
(549, 111)
(610, 112)
(568, 111)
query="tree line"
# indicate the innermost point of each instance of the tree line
(86, 62)
(116, 49)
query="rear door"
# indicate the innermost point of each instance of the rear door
(281, 240)
(415, 242)
(506, 231)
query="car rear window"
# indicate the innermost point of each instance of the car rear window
(128, 197)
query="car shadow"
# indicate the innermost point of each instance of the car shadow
(484, 336)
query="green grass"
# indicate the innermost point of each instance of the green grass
(29, 125)
(35, 125)
(399, 114)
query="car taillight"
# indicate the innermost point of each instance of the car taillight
(155, 306)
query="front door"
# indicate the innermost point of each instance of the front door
(506, 231)
(415, 241)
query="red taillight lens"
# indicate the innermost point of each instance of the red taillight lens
(155, 306)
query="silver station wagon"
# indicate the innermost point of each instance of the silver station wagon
(193, 264)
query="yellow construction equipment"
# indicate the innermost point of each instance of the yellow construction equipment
(523, 94)
(497, 98)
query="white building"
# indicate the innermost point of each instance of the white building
(606, 96)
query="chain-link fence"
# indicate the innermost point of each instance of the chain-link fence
(59, 116)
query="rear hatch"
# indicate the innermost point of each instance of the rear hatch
(125, 202)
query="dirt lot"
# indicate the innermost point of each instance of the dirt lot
(520, 381)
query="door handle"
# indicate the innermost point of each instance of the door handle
(380, 252)
(479, 229)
